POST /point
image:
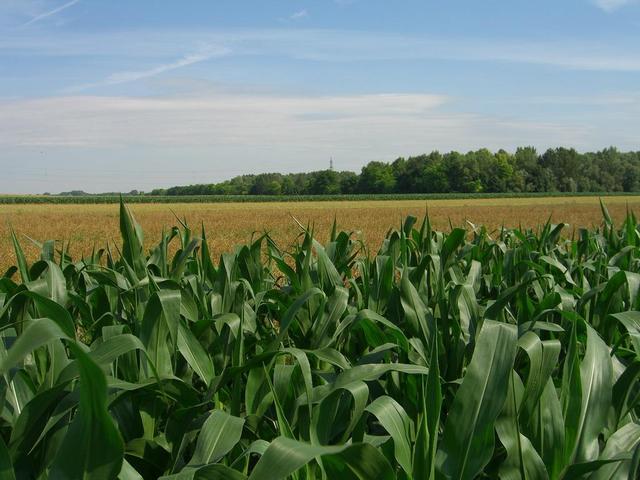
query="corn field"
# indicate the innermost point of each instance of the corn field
(445, 355)
(114, 198)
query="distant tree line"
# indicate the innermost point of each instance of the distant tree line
(481, 171)
(82, 193)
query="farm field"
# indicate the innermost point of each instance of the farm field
(8, 199)
(87, 225)
(445, 354)
(319, 240)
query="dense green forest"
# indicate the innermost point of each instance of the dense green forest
(481, 171)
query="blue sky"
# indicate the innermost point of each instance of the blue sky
(117, 95)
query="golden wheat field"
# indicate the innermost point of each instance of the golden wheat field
(227, 224)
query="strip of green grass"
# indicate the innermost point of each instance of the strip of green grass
(89, 199)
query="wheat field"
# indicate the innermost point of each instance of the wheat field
(229, 224)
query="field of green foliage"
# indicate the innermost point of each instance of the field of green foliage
(440, 355)
(100, 199)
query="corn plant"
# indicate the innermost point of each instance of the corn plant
(444, 355)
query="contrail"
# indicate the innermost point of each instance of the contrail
(132, 76)
(51, 12)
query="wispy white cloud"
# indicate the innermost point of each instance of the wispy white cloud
(132, 76)
(239, 119)
(611, 5)
(359, 127)
(606, 100)
(337, 46)
(299, 15)
(50, 13)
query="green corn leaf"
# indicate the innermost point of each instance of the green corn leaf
(426, 444)
(625, 440)
(625, 391)
(104, 354)
(6, 466)
(631, 321)
(468, 439)
(293, 310)
(416, 313)
(132, 242)
(219, 434)
(208, 472)
(330, 412)
(358, 461)
(195, 355)
(23, 267)
(92, 447)
(159, 330)
(396, 422)
(128, 472)
(522, 462)
(38, 333)
(546, 430)
(596, 380)
(571, 393)
(543, 358)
